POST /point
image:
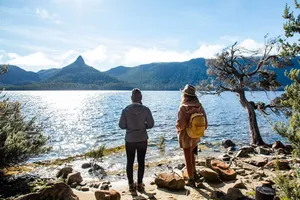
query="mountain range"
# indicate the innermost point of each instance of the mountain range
(80, 76)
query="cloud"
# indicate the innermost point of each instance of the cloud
(103, 57)
(144, 55)
(251, 44)
(34, 61)
(46, 15)
(95, 56)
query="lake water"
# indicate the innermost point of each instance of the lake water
(77, 121)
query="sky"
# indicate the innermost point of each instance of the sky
(43, 34)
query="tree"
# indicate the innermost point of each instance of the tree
(19, 139)
(237, 69)
(291, 28)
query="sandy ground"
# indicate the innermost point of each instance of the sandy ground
(152, 192)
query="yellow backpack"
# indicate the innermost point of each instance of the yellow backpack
(197, 125)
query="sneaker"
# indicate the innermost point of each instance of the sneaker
(140, 187)
(132, 187)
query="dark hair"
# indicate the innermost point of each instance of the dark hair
(136, 95)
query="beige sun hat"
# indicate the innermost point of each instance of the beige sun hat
(189, 90)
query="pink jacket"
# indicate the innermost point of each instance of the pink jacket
(184, 113)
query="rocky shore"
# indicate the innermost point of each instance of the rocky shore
(248, 172)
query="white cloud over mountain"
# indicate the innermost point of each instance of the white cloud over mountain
(104, 57)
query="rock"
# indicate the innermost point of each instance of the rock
(230, 149)
(209, 174)
(58, 191)
(30, 196)
(104, 186)
(280, 151)
(104, 195)
(263, 150)
(86, 165)
(239, 184)
(227, 143)
(264, 193)
(180, 166)
(200, 162)
(97, 167)
(257, 161)
(248, 149)
(185, 174)
(266, 184)
(242, 154)
(224, 171)
(241, 172)
(288, 149)
(169, 181)
(64, 172)
(234, 194)
(225, 157)
(208, 161)
(74, 177)
(85, 189)
(73, 185)
(280, 164)
(277, 145)
(217, 195)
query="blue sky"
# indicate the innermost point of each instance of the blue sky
(42, 34)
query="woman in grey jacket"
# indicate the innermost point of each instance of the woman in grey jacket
(136, 119)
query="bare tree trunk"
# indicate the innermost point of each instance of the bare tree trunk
(254, 131)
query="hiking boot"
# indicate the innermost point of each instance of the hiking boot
(191, 183)
(140, 187)
(132, 187)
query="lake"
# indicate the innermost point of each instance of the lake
(77, 121)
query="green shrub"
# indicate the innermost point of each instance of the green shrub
(19, 139)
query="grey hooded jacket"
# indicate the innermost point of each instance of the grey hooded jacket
(136, 118)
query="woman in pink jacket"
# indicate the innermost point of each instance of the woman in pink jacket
(189, 105)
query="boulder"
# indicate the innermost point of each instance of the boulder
(277, 145)
(58, 191)
(239, 184)
(263, 150)
(170, 181)
(248, 149)
(209, 174)
(224, 171)
(288, 149)
(64, 172)
(234, 194)
(86, 165)
(257, 161)
(242, 154)
(217, 195)
(74, 177)
(280, 164)
(227, 143)
(104, 195)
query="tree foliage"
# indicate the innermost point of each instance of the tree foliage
(292, 30)
(19, 139)
(237, 69)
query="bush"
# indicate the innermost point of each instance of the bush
(19, 139)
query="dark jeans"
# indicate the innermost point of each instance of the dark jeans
(131, 148)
